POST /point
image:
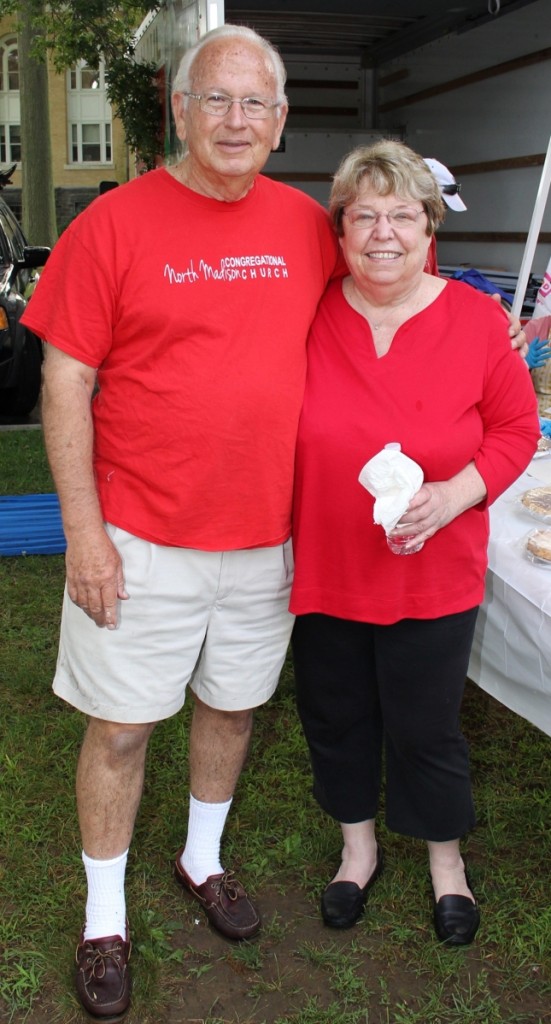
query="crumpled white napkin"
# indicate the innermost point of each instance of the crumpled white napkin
(392, 478)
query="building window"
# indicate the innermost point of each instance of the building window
(9, 65)
(10, 131)
(10, 143)
(84, 77)
(91, 143)
(89, 116)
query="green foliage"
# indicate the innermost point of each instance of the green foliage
(95, 30)
(133, 91)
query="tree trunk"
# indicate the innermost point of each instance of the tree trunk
(38, 199)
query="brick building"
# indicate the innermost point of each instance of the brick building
(88, 145)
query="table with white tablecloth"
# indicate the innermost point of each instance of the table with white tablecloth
(511, 656)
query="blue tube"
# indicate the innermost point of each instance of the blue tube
(30, 524)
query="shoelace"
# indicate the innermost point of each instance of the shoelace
(97, 964)
(229, 885)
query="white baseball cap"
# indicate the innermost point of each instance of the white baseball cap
(449, 187)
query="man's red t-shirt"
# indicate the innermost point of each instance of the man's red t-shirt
(196, 314)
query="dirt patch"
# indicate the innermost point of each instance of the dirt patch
(299, 971)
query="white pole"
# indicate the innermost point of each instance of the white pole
(533, 234)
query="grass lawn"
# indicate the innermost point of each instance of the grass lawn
(389, 969)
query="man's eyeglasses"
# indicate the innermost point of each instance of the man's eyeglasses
(451, 190)
(401, 217)
(218, 104)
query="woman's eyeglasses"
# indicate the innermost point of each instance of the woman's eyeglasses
(400, 217)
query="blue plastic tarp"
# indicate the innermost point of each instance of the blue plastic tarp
(30, 524)
(482, 283)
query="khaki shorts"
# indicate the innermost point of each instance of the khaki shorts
(216, 620)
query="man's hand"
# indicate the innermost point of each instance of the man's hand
(516, 334)
(95, 579)
(538, 353)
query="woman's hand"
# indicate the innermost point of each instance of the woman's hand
(437, 503)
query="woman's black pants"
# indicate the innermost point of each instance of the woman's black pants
(362, 687)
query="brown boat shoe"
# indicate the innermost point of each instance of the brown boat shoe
(102, 976)
(224, 901)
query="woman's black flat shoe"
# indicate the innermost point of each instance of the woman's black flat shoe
(343, 903)
(456, 919)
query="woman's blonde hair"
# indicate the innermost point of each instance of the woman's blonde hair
(387, 167)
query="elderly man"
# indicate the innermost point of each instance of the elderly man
(186, 296)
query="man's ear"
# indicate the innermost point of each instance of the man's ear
(178, 112)
(281, 119)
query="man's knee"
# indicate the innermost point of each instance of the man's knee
(228, 722)
(238, 722)
(118, 740)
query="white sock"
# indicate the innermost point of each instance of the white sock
(106, 905)
(201, 856)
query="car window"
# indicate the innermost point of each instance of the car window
(5, 251)
(12, 232)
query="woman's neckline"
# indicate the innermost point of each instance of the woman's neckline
(393, 315)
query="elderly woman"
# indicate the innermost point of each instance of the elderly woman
(382, 642)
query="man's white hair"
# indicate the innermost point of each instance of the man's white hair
(183, 80)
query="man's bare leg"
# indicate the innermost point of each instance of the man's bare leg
(219, 742)
(109, 786)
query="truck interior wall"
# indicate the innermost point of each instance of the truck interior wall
(502, 117)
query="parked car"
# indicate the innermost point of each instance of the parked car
(20, 349)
